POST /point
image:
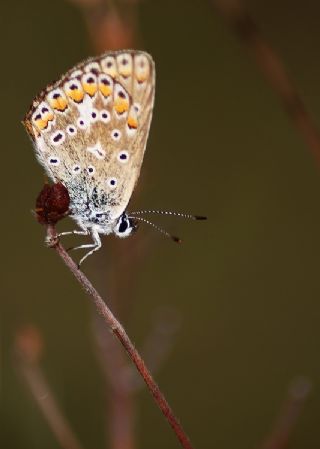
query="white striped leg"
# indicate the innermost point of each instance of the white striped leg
(75, 232)
(83, 231)
(95, 246)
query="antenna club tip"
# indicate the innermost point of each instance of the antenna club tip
(200, 217)
(176, 239)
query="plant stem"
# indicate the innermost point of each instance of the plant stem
(273, 69)
(287, 418)
(122, 336)
(27, 352)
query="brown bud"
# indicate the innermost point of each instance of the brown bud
(52, 203)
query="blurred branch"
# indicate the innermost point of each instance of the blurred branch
(28, 349)
(156, 348)
(111, 24)
(273, 70)
(121, 424)
(112, 361)
(120, 333)
(158, 343)
(121, 379)
(291, 410)
(121, 277)
(121, 414)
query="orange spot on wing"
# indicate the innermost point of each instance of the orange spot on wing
(59, 103)
(47, 117)
(90, 88)
(41, 124)
(76, 95)
(121, 105)
(41, 120)
(141, 77)
(132, 122)
(142, 69)
(105, 90)
(125, 71)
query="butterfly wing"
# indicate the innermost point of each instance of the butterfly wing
(90, 129)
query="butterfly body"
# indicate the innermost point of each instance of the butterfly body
(90, 130)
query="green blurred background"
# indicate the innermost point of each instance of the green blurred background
(245, 284)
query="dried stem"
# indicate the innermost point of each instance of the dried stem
(121, 426)
(120, 418)
(157, 344)
(273, 70)
(120, 333)
(110, 24)
(288, 416)
(27, 357)
(121, 378)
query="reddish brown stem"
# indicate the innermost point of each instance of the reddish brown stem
(122, 336)
(122, 423)
(273, 70)
(109, 25)
(28, 348)
(120, 419)
(291, 409)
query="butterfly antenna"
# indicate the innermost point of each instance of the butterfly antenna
(172, 237)
(168, 212)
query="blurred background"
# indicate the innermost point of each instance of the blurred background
(229, 320)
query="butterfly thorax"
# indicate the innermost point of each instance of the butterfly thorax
(93, 210)
(90, 207)
(94, 219)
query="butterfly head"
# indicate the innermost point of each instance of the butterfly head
(125, 226)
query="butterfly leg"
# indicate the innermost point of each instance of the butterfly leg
(95, 246)
(84, 231)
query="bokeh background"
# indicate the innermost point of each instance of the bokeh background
(237, 304)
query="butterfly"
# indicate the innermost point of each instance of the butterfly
(89, 131)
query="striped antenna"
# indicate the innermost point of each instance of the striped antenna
(168, 212)
(162, 231)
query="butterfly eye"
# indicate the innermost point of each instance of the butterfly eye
(123, 157)
(125, 226)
